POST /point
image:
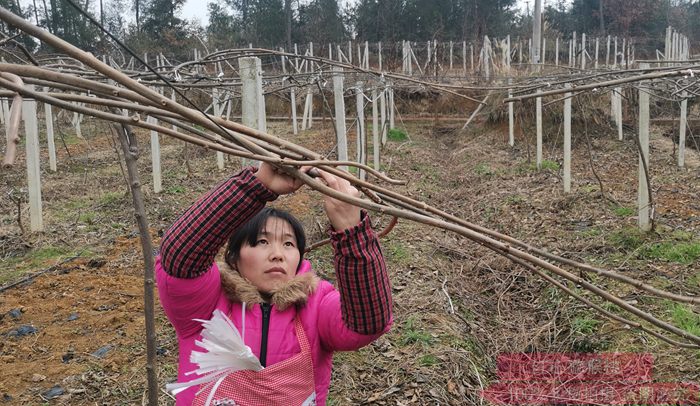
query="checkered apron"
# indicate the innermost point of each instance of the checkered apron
(289, 382)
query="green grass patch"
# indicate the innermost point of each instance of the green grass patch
(623, 211)
(628, 239)
(398, 253)
(111, 198)
(590, 232)
(590, 188)
(46, 253)
(584, 325)
(428, 360)
(683, 317)
(463, 343)
(682, 235)
(14, 267)
(70, 138)
(677, 246)
(87, 218)
(427, 172)
(396, 134)
(583, 329)
(77, 204)
(528, 166)
(175, 190)
(680, 252)
(549, 165)
(483, 170)
(412, 334)
(693, 282)
(514, 199)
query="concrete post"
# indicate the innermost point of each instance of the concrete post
(216, 105)
(50, 136)
(464, 57)
(618, 111)
(375, 130)
(252, 99)
(382, 113)
(681, 135)
(583, 51)
(390, 89)
(567, 140)
(33, 159)
(342, 140)
(537, 32)
(644, 211)
(361, 134)
(538, 113)
(511, 117)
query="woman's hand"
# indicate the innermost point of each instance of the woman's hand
(342, 215)
(276, 180)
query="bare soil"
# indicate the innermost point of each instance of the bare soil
(457, 305)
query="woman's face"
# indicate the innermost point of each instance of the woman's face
(274, 259)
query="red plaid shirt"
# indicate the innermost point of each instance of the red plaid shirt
(189, 248)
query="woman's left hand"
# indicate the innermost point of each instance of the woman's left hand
(342, 215)
(276, 180)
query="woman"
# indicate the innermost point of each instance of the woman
(291, 320)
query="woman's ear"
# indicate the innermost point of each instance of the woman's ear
(232, 263)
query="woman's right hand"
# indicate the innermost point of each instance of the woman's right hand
(276, 180)
(342, 215)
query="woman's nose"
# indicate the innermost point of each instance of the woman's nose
(276, 252)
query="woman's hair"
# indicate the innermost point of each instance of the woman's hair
(250, 231)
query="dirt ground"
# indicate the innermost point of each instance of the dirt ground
(457, 305)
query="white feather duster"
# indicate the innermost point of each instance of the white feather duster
(226, 353)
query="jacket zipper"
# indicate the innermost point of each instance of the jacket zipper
(266, 310)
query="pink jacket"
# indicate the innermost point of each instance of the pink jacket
(188, 299)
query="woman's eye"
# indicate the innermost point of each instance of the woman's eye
(288, 244)
(262, 241)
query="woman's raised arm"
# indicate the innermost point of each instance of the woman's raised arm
(190, 245)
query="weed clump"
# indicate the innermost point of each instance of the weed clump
(623, 211)
(677, 247)
(684, 317)
(683, 253)
(396, 134)
(411, 334)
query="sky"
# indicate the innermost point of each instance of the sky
(195, 9)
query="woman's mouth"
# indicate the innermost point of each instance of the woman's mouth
(276, 270)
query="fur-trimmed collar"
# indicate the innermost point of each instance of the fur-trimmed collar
(294, 292)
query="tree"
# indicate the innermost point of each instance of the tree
(69, 24)
(259, 20)
(223, 29)
(320, 21)
(114, 20)
(379, 20)
(137, 10)
(160, 18)
(641, 18)
(586, 15)
(266, 21)
(15, 8)
(288, 23)
(421, 20)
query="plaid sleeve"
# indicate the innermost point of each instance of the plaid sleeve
(190, 245)
(365, 292)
